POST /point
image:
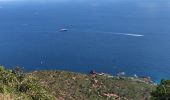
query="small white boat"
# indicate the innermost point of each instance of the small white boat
(63, 30)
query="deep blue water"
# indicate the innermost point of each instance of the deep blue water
(105, 35)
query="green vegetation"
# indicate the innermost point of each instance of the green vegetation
(15, 85)
(162, 91)
(61, 85)
(76, 86)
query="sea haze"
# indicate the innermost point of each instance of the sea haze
(105, 35)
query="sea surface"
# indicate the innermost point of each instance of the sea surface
(110, 36)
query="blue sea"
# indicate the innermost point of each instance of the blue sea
(110, 36)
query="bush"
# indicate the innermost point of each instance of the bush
(162, 91)
(21, 85)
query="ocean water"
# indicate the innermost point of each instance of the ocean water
(110, 36)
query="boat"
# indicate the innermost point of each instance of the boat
(63, 30)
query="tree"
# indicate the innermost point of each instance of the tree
(162, 91)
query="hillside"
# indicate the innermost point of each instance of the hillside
(16, 85)
(76, 86)
(62, 85)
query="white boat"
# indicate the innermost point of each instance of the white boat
(63, 30)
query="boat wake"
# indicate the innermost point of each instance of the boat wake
(118, 33)
(128, 34)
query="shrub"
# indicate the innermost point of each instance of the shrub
(21, 85)
(162, 91)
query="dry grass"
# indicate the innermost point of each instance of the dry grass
(6, 97)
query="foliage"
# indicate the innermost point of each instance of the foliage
(22, 86)
(76, 86)
(44, 85)
(162, 91)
